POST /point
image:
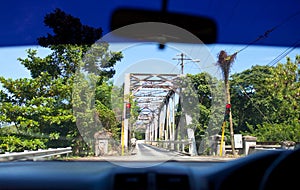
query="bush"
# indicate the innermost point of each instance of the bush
(13, 143)
(288, 131)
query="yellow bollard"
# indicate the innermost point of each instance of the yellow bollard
(122, 138)
(222, 138)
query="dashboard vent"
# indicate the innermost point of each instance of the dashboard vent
(172, 182)
(130, 181)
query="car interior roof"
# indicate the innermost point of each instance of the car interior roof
(238, 22)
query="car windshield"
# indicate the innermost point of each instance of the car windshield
(157, 89)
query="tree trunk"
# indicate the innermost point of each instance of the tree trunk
(227, 90)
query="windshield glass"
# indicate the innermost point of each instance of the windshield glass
(109, 97)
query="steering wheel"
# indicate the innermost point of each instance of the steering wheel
(283, 173)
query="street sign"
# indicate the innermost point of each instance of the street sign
(238, 141)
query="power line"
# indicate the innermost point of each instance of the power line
(283, 54)
(175, 67)
(266, 33)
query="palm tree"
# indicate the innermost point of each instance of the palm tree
(225, 62)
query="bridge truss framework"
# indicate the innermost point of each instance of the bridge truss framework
(156, 96)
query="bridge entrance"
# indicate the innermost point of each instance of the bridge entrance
(155, 97)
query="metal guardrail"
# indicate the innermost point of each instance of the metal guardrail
(34, 155)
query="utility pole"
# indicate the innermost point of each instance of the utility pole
(182, 57)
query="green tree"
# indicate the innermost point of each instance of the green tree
(250, 97)
(202, 101)
(267, 100)
(285, 91)
(43, 104)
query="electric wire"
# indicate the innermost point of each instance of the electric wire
(283, 54)
(267, 33)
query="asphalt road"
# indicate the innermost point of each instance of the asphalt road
(144, 152)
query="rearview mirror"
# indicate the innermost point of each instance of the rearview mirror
(203, 28)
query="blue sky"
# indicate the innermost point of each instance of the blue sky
(10, 66)
(136, 58)
(148, 58)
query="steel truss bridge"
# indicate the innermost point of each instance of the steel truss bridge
(156, 96)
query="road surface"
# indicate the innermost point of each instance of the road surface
(144, 152)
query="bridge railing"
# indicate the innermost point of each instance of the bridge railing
(34, 155)
(187, 147)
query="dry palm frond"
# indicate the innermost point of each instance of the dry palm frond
(225, 62)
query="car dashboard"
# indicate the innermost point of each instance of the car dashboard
(260, 170)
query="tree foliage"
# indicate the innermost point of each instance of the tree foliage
(68, 30)
(267, 101)
(43, 104)
(250, 97)
(203, 101)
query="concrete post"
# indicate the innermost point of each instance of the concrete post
(288, 145)
(215, 145)
(249, 141)
(192, 146)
